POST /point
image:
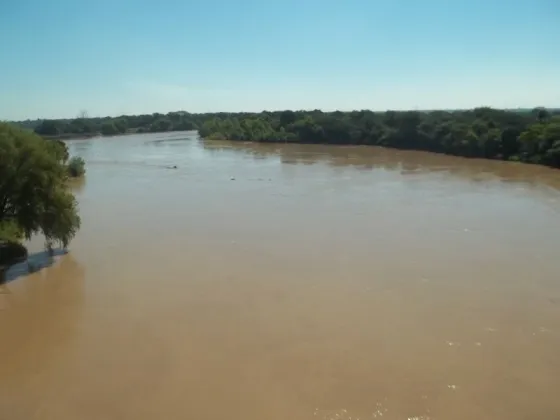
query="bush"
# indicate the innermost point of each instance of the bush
(76, 167)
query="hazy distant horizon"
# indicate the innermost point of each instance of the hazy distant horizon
(520, 109)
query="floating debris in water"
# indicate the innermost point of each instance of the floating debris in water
(380, 410)
(343, 414)
(340, 414)
(453, 387)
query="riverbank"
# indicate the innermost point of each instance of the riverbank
(531, 136)
(70, 136)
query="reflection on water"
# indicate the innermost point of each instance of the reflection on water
(35, 262)
(77, 184)
(291, 281)
(406, 162)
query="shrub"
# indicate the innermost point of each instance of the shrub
(76, 167)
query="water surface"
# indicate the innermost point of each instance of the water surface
(290, 282)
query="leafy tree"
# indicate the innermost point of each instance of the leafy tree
(509, 142)
(161, 124)
(76, 167)
(109, 128)
(541, 114)
(81, 126)
(538, 139)
(10, 231)
(33, 193)
(287, 117)
(49, 128)
(59, 150)
(121, 125)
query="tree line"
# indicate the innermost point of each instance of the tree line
(518, 135)
(109, 126)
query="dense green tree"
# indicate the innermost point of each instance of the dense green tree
(76, 167)
(540, 143)
(34, 197)
(161, 124)
(109, 128)
(59, 149)
(287, 117)
(82, 126)
(121, 125)
(49, 128)
(541, 114)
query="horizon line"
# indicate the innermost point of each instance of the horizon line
(520, 108)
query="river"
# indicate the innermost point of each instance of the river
(290, 282)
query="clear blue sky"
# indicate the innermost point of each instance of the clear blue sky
(122, 56)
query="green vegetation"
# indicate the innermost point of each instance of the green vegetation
(108, 126)
(34, 197)
(483, 132)
(10, 231)
(76, 167)
(521, 135)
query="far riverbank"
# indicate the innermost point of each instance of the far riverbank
(529, 136)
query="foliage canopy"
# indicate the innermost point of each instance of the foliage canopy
(34, 197)
(76, 167)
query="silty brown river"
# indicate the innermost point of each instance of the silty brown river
(290, 282)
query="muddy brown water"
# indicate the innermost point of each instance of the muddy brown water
(290, 282)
